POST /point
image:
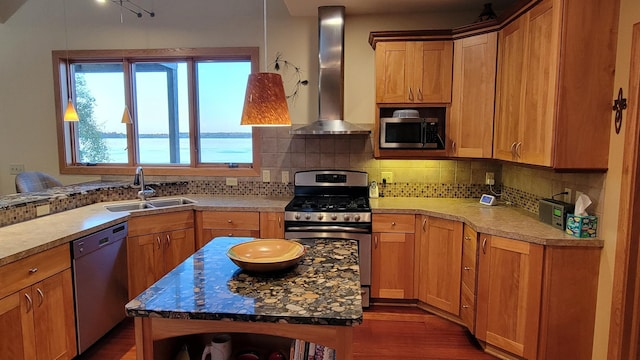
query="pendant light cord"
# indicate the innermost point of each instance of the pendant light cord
(66, 45)
(264, 22)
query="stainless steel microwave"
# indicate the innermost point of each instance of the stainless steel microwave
(410, 133)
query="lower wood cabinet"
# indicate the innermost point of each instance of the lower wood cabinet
(392, 260)
(468, 283)
(534, 301)
(38, 321)
(155, 245)
(211, 224)
(272, 225)
(439, 270)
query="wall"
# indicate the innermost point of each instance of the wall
(28, 133)
(629, 15)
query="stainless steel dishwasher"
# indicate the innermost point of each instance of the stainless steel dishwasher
(100, 283)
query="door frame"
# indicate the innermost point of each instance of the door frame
(624, 328)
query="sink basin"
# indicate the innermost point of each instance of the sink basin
(150, 204)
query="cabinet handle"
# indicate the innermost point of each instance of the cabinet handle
(229, 221)
(424, 223)
(467, 268)
(453, 147)
(410, 95)
(279, 222)
(513, 149)
(484, 247)
(419, 94)
(375, 242)
(41, 294)
(33, 270)
(518, 149)
(465, 306)
(158, 241)
(168, 240)
(229, 234)
(29, 302)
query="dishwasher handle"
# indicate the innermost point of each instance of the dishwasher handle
(90, 243)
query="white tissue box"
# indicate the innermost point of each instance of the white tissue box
(582, 226)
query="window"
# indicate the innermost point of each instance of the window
(185, 106)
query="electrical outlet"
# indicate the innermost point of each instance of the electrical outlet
(285, 177)
(388, 176)
(266, 176)
(489, 178)
(43, 210)
(232, 181)
(16, 169)
(568, 195)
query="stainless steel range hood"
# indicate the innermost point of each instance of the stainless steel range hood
(331, 78)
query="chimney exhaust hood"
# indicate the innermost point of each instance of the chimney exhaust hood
(331, 79)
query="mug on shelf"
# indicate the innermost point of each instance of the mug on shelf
(219, 349)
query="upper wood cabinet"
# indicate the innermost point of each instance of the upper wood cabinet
(414, 72)
(470, 126)
(392, 256)
(553, 93)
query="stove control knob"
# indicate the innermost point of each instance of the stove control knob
(307, 216)
(347, 217)
(334, 217)
(320, 216)
(297, 216)
(356, 217)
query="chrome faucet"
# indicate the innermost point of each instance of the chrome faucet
(138, 180)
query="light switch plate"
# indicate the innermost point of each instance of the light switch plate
(232, 181)
(388, 176)
(43, 210)
(266, 176)
(15, 169)
(285, 177)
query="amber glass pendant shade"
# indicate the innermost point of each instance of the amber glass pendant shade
(70, 114)
(265, 103)
(126, 116)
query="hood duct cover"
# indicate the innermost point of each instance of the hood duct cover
(331, 78)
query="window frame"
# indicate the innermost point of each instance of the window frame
(67, 130)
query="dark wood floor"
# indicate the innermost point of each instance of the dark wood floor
(386, 333)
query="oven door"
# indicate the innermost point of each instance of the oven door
(364, 251)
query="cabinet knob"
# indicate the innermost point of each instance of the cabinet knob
(467, 268)
(465, 306)
(33, 270)
(467, 238)
(393, 223)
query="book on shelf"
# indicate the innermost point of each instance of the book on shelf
(305, 350)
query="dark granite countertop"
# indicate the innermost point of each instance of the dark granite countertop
(324, 288)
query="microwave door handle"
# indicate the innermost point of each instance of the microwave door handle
(423, 135)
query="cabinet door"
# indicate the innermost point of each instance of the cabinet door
(431, 71)
(474, 78)
(468, 283)
(509, 91)
(272, 225)
(392, 72)
(509, 287)
(178, 245)
(392, 265)
(440, 262)
(540, 81)
(16, 321)
(53, 317)
(144, 261)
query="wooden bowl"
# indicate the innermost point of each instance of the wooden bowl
(265, 255)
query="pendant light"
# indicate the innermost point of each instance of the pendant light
(265, 103)
(70, 114)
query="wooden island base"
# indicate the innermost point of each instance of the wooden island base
(148, 330)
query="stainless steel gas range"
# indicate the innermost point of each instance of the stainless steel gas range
(333, 204)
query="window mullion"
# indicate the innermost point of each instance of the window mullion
(194, 129)
(130, 102)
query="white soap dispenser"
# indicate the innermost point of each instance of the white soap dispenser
(373, 190)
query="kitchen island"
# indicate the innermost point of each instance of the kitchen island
(317, 301)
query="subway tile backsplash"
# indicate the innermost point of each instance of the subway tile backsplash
(459, 178)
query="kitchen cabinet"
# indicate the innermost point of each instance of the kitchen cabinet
(534, 301)
(37, 320)
(414, 72)
(549, 93)
(392, 260)
(469, 273)
(211, 224)
(155, 245)
(272, 225)
(470, 126)
(440, 260)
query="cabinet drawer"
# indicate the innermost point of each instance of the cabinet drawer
(28, 271)
(244, 220)
(469, 256)
(148, 224)
(393, 223)
(233, 232)
(467, 307)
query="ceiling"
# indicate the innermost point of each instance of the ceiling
(364, 7)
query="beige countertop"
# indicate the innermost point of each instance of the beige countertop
(30, 237)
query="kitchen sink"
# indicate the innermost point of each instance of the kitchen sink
(149, 204)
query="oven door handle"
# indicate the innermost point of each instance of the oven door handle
(328, 228)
